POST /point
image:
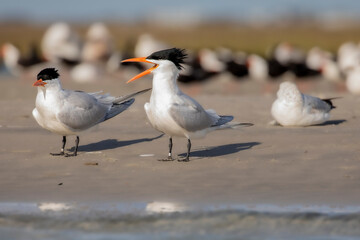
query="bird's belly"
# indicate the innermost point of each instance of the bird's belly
(297, 116)
(286, 115)
(162, 121)
(47, 119)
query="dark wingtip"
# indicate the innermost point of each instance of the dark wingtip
(329, 101)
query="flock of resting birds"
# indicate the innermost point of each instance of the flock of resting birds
(67, 112)
(90, 58)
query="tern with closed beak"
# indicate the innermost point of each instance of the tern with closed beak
(67, 112)
(170, 110)
(293, 108)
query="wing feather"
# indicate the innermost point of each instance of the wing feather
(190, 115)
(315, 104)
(81, 110)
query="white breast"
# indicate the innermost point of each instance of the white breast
(47, 107)
(158, 112)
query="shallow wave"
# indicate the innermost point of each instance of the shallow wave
(133, 222)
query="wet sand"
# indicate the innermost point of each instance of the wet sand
(118, 161)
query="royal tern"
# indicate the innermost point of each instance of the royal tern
(67, 112)
(170, 110)
(292, 108)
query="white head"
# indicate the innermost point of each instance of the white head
(289, 92)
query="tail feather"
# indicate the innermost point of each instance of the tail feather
(238, 125)
(328, 101)
(232, 126)
(126, 97)
(222, 120)
(118, 108)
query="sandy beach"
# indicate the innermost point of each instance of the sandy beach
(118, 161)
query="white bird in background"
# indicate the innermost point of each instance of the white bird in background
(67, 112)
(330, 70)
(287, 53)
(11, 56)
(99, 44)
(171, 111)
(292, 108)
(147, 44)
(61, 43)
(348, 56)
(258, 68)
(14, 62)
(210, 62)
(98, 55)
(353, 80)
(323, 61)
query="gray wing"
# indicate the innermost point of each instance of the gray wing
(315, 104)
(81, 110)
(190, 115)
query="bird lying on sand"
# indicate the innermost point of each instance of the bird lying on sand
(292, 108)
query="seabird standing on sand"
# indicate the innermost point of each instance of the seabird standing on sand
(170, 110)
(67, 112)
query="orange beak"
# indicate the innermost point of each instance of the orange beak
(142, 59)
(39, 83)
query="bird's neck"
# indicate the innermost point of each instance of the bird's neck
(164, 83)
(53, 86)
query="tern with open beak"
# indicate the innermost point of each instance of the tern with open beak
(67, 112)
(170, 110)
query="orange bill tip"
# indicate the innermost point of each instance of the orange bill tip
(141, 59)
(39, 82)
(143, 73)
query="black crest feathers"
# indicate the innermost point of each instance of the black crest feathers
(176, 55)
(48, 74)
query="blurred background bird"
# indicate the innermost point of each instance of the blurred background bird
(315, 45)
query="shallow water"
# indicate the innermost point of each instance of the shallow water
(166, 220)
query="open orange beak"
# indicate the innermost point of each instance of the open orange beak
(142, 59)
(39, 83)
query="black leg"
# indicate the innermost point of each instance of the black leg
(169, 158)
(62, 149)
(77, 141)
(187, 158)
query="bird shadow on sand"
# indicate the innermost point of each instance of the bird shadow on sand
(332, 122)
(112, 144)
(221, 150)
